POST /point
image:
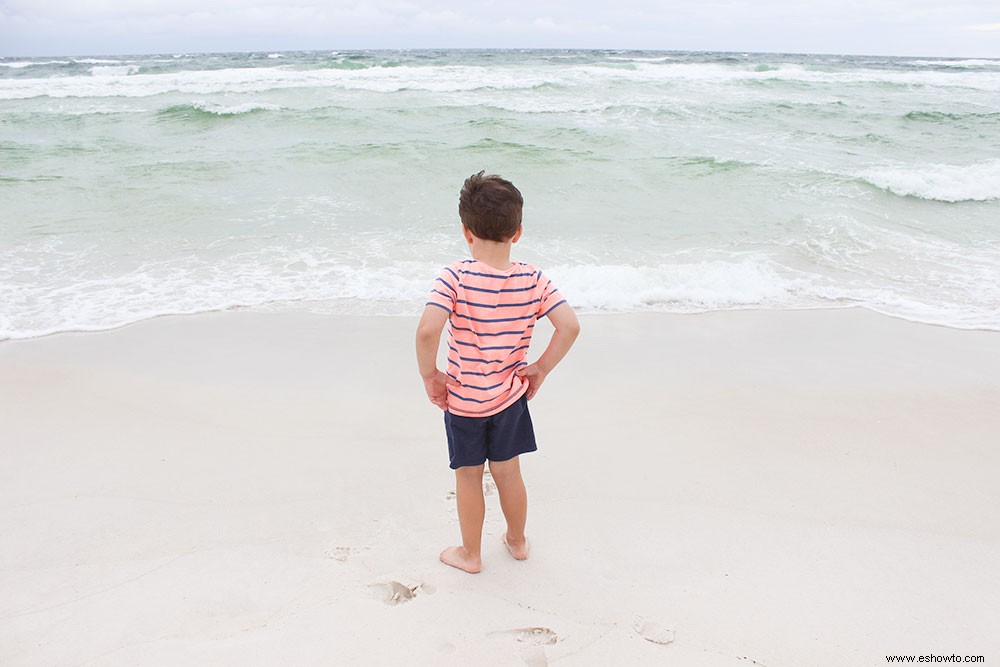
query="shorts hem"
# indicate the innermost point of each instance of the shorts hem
(483, 462)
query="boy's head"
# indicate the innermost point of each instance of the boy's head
(490, 207)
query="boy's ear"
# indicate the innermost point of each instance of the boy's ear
(517, 234)
(468, 235)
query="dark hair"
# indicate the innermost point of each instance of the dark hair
(490, 207)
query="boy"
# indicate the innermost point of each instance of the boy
(491, 304)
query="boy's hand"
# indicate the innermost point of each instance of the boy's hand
(535, 376)
(566, 330)
(436, 387)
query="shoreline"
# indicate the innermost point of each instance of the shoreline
(302, 311)
(787, 487)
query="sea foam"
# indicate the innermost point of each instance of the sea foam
(217, 109)
(21, 64)
(377, 77)
(941, 182)
(677, 286)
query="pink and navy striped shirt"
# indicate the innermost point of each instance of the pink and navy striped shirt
(492, 317)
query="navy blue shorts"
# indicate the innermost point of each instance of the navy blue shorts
(499, 437)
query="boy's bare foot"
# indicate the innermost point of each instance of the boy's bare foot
(460, 558)
(518, 551)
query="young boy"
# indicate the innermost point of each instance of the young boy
(491, 305)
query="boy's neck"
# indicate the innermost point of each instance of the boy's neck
(495, 254)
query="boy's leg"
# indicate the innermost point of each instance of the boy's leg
(471, 513)
(513, 502)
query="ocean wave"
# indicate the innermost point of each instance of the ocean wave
(202, 109)
(77, 294)
(344, 63)
(941, 116)
(678, 286)
(941, 182)
(524, 150)
(641, 59)
(440, 79)
(106, 80)
(21, 64)
(50, 288)
(114, 70)
(100, 109)
(740, 71)
(900, 271)
(99, 61)
(962, 64)
(718, 164)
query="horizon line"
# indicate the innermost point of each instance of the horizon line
(742, 52)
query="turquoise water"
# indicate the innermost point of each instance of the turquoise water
(680, 182)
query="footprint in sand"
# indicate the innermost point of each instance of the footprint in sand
(489, 486)
(652, 630)
(342, 554)
(533, 642)
(394, 592)
(535, 636)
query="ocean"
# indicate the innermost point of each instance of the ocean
(139, 186)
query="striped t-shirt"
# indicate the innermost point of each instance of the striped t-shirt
(493, 315)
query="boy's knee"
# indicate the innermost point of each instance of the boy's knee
(502, 470)
(470, 472)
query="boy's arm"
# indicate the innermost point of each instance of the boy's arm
(567, 329)
(428, 339)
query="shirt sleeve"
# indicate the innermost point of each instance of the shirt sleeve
(444, 293)
(549, 296)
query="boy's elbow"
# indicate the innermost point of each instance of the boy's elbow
(574, 330)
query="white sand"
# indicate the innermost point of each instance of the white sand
(775, 488)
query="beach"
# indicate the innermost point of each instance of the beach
(757, 487)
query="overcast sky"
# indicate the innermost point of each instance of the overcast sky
(969, 28)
